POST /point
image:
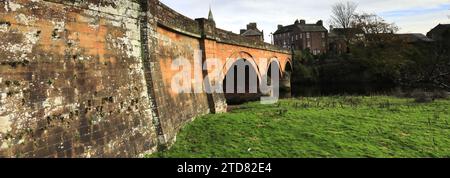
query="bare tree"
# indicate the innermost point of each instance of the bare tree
(343, 14)
(373, 24)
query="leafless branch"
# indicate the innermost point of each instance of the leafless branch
(343, 14)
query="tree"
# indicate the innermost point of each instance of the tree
(380, 51)
(430, 65)
(372, 24)
(375, 28)
(343, 14)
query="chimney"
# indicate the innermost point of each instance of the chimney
(296, 21)
(243, 31)
(262, 35)
(251, 26)
(302, 22)
(320, 22)
(331, 28)
(280, 26)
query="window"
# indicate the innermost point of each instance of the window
(296, 37)
(323, 34)
(323, 44)
(308, 35)
(308, 44)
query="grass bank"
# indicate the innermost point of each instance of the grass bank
(375, 126)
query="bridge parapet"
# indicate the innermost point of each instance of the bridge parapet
(202, 27)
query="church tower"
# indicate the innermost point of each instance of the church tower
(210, 15)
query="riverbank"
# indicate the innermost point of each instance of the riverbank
(339, 126)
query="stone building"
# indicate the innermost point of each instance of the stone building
(437, 32)
(301, 36)
(253, 32)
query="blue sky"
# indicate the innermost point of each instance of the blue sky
(415, 11)
(417, 16)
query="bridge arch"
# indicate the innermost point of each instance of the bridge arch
(288, 65)
(288, 68)
(236, 92)
(285, 81)
(241, 55)
(274, 61)
(284, 68)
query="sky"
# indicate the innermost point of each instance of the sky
(412, 16)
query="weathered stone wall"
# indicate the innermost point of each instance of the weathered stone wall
(178, 108)
(92, 78)
(71, 80)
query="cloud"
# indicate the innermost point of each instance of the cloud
(411, 16)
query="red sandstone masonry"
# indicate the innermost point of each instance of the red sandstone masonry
(75, 80)
(71, 80)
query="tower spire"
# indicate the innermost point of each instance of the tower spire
(210, 15)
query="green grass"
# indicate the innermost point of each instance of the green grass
(374, 126)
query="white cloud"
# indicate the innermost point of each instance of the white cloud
(235, 14)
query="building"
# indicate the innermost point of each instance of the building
(340, 38)
(437, 32)
(253, 32)
(301, 36)
(414, 38)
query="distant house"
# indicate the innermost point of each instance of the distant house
(253, 32)
(340, 38)
(437, 32)
(414, 38)
(301, 36)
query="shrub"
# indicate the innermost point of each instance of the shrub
(440, 94)
(421, 96)
(352, 101)
(397, 92)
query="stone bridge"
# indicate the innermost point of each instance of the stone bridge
(92, 78)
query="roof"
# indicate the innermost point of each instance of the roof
(302, 27)
(252, 32)
(312, 28)
(285, 29)
(344, 31)
(439, 29)
(414, 37)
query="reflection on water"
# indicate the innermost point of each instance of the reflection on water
(342, 89)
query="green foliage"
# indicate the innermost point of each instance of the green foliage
(305, 70)
(429, 65)
(382, 62)
(304, 74)
(338, 126)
